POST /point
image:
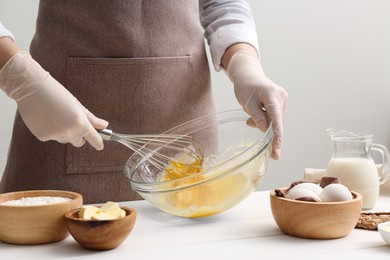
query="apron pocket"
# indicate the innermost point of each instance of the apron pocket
(132, 94)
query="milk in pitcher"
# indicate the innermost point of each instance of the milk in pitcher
(353, 164)
(358, 174)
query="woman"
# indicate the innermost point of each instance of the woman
(140, 65)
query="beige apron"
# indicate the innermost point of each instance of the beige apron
(139, 64)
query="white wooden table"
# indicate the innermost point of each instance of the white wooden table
(248, 231)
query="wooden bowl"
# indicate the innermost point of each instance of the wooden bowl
(319, 220)
(40, 224)
(100, 234)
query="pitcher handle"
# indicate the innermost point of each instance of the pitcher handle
(384, 169)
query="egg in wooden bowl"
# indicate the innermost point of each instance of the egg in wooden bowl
(309, 217)
(97, 229)
(36, 216)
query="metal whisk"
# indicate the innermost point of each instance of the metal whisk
(163, 151)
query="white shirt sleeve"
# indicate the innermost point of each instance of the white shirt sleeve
(4, 32)
(227, 22)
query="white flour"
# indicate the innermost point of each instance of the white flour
(33, 201)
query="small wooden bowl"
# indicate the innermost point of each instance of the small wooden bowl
(100, 234)
(40, 224)
(319, 220)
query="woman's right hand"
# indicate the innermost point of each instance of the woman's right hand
(48, 109)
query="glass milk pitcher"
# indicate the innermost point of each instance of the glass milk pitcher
(352, 162)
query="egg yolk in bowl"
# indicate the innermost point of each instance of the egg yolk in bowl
(205, 197)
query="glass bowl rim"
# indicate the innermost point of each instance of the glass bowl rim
(264, 140)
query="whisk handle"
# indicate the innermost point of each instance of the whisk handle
(106, 134)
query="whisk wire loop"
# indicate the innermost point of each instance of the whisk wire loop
(164, 150)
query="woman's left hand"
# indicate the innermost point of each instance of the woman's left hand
(260, 97)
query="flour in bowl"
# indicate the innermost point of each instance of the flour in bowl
(34, 201)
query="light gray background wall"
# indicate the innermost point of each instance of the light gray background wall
(332, 56)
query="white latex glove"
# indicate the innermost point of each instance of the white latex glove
(260, 97)
(48, 109)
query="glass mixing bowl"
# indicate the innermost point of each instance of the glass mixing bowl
(236, 158)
